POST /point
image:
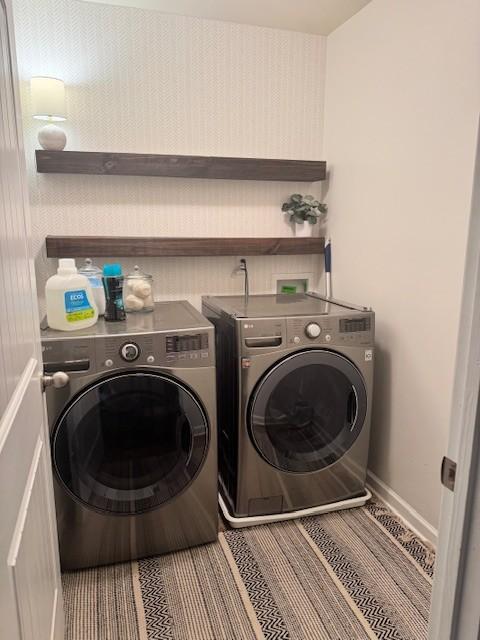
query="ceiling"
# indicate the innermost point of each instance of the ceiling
(309, 16)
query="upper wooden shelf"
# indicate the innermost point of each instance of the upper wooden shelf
(105, 246)
(149, 164)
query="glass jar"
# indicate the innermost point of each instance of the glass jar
(94, 275)
(138, 292)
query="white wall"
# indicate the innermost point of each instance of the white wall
(141, 81)
(402, 103)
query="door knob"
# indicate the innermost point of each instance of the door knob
(58, 380)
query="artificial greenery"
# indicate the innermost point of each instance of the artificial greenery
(304, 209)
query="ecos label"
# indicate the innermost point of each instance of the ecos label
(77, 306)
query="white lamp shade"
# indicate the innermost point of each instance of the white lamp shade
(48, 98)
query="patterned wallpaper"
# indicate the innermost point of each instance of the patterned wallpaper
(142, 81)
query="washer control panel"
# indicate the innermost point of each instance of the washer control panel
(179, 350)
(186, 342)
(118, 352)
(184, 348)
(130, 352)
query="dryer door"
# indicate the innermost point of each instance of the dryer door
(307, 411)
(130, 443)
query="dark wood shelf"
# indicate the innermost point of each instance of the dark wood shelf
(105, 246)
(148, 164)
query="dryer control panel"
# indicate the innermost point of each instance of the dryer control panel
(306, 331)
(355, 330)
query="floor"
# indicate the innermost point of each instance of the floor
(344, 576)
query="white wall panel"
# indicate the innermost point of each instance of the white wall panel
(16, 316)
(403, 98)
(142, 81)
(29, 572)
(31, 558)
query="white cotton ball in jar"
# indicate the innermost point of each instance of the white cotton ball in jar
(130, 284)
(132, 303)
(141, 289)
(148, 301)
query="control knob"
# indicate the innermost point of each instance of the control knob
(130, 351)
(313, 330)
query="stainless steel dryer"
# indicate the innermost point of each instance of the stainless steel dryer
(133, 435)
(294, 384)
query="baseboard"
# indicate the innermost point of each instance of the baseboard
(412, 518)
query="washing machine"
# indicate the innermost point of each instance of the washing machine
(133, 435)
(294, 380)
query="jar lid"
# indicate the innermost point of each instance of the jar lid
(89, 269)
(138, 273)
(114, 269)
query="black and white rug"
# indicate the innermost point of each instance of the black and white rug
(341, 576)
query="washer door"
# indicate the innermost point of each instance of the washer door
(130, 443)
(307, 411)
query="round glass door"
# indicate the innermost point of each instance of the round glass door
(307, 411)
(130, 443)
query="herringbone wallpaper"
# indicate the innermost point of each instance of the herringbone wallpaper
(142, 81)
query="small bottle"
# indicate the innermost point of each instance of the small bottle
(138, 291)
(69, 299)
(94, 274)
(113, 286)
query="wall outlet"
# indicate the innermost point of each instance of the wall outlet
(292, 282)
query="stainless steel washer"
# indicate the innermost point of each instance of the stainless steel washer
(294, 384)
(133, 436)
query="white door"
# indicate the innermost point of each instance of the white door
(30, 591)
(455, 613)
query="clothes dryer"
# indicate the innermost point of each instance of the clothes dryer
(294, 384)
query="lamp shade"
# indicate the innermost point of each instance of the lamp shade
(48, 98)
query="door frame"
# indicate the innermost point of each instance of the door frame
(28, 526)
(455, 614)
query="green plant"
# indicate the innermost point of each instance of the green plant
(304, 209)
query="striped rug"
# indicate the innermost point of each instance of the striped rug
(357, 574)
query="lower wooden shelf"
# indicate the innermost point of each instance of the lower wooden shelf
(133, 246)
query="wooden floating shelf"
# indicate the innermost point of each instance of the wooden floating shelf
(149, 164)
(105, 246)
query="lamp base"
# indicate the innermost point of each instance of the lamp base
(52, 138)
